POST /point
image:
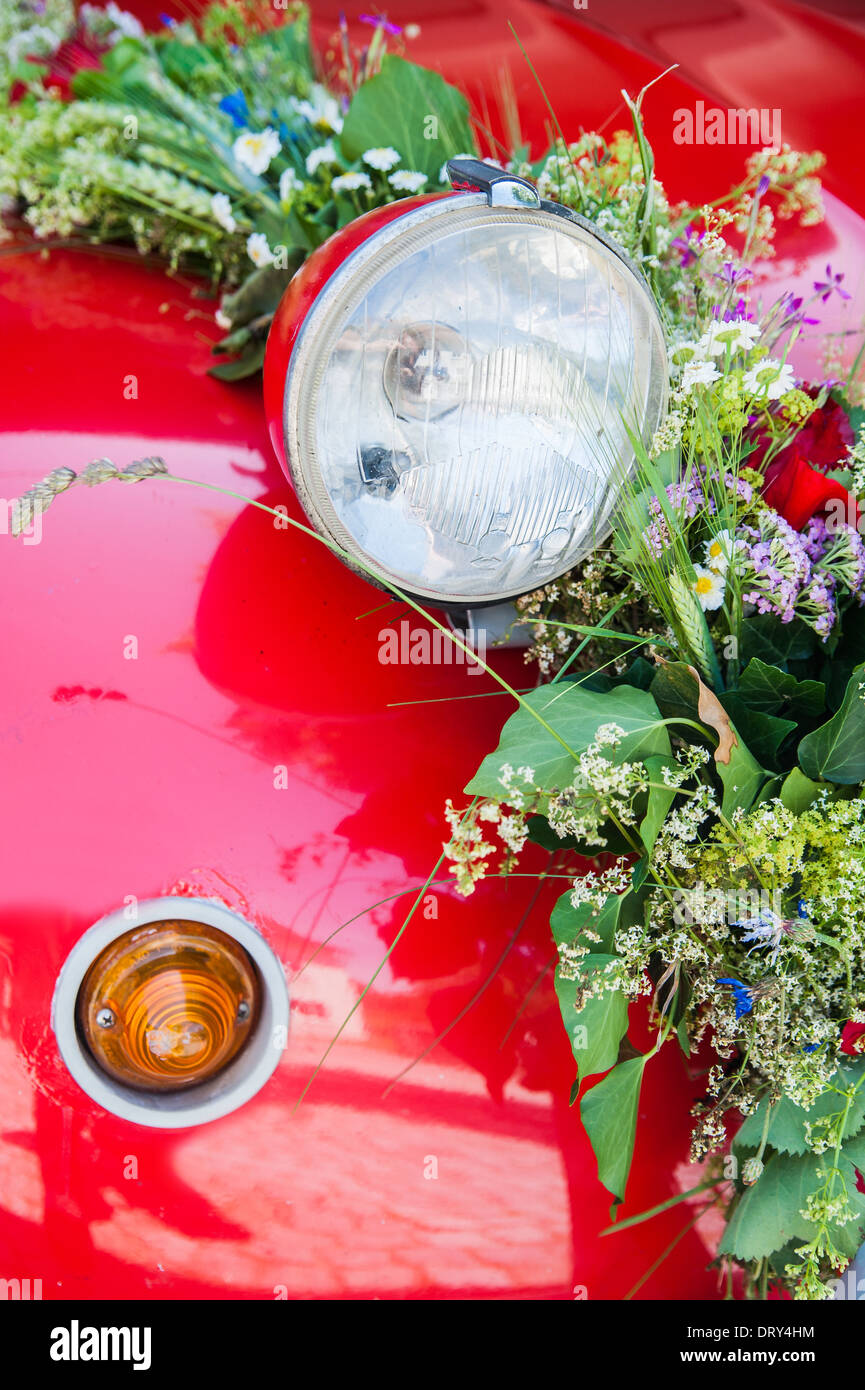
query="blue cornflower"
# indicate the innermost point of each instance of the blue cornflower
(167, 21)
(767, 930)
(742, 994)
(234, 105)
(802, 909)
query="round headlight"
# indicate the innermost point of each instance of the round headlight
(451, 382)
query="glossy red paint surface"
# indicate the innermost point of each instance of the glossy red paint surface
(156, 775)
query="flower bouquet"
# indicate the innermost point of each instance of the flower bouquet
(699, 746)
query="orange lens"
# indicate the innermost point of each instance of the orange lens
(168, 1005)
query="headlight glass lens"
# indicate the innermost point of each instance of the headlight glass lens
(458, 413)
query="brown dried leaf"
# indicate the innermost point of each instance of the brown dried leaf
(712, 712)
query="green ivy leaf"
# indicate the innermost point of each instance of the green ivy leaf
(766, 637)
(742, 777)
(609, 1114)
(835, 751)
(771, 690)
(767, 1215)
(412, 109)
(798, 791)
(247, 364)
(596, 1030)
(764, 733)
(575, 714)
(260, 293)
(677, 695)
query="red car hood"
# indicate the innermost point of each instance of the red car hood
(257, 651)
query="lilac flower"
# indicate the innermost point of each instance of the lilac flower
(763, 185)
(843, 558)
(824, 288)
(781, 572)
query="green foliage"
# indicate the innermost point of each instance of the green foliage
(412, 109)
(571, 716)
(835, 751)
(609, 1113)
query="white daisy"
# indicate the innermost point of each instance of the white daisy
(220, 206)
(288, 183)
(770, 378)
(255, 149)
(382, 157)
(325, 154)
(698, 373)
(709, 588)
(719, 552)
(346, 183)
(320, 109)
(407, 181)
(258, 250)
(739, 335)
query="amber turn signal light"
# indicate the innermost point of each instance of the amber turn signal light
(168, 1005)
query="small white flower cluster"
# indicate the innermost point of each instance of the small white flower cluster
(595, 888)
(682, 827)
(110, 24)
(602, 790)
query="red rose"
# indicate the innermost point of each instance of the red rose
(853, 1039)
(799, 491)
(796, 482)
(826, 435)
(74, 55)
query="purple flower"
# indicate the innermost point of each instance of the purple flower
(763, 185)
(378, 21)
(734, 276)
(824, 288)
(688, 246)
